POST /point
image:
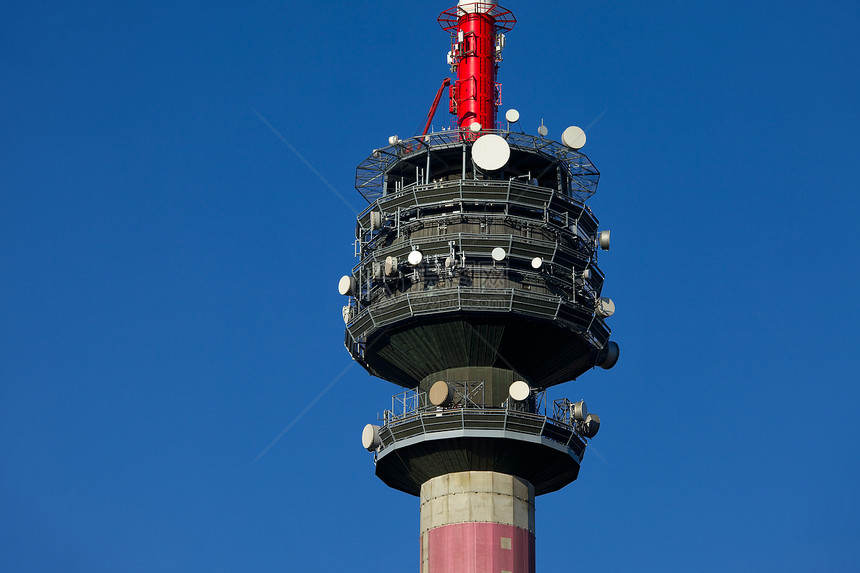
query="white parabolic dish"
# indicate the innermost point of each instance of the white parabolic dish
(370, 437)
(491, 152)
(415, 258)
(520, 390)
(573, 137)
(346, 285)
(605, 307)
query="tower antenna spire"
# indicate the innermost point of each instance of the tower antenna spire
(477, 40)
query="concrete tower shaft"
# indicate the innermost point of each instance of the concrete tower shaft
(477, 522)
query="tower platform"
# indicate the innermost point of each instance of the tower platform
(543, 451)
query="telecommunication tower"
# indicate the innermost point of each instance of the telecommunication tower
(477, 288)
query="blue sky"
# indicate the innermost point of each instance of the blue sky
(168, 272)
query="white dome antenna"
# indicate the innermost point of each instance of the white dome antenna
(573, 137)
(519, 391)
(491, 152)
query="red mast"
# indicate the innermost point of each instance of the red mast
(477, 39)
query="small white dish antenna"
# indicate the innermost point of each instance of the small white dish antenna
(578, 411)
(441, 394)
(491, 152)
(449, 262)
(603, 240)
(519, 391)
(393, 140)
(611, 355)
(346, 286)
(605, 307)
(415, 258)
(391, 267)
(512, 116)
(370, 439)
(537, 263)
(499, 254)
(592, 425)
(475, 127)
(542, 130)
(586, 274)
(573, 137)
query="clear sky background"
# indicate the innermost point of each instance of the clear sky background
(168, 271)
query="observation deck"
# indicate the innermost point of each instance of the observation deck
(534, 307)
(423, 442)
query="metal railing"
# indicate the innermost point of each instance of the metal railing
(581, 173)
(367, 319)
(428, 422)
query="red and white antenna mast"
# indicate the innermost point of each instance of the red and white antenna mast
(477, 39)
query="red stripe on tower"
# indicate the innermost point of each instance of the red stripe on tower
(477, 522)
(480, 548)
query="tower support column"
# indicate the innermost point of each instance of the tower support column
(477, 522)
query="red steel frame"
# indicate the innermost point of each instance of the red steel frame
(475, 28)
(445, 83)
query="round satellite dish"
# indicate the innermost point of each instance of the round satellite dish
(441, 394)
(346, 286)
(491, 152)
(375, 220)
(370, 437)
(519, 391)
(586, 274)
(605, 307)
(449, 262)
(603, 240)
(512, 116)
(499, 254)
(610, 356)
(415, 258)
(543, 131)
(573, 137)
(537, 263)
(592, 425)
(393, 140)
(578, 411)
(475, 127)
(391, 267)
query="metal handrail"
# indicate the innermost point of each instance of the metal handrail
(369, 178)
(435, 421)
